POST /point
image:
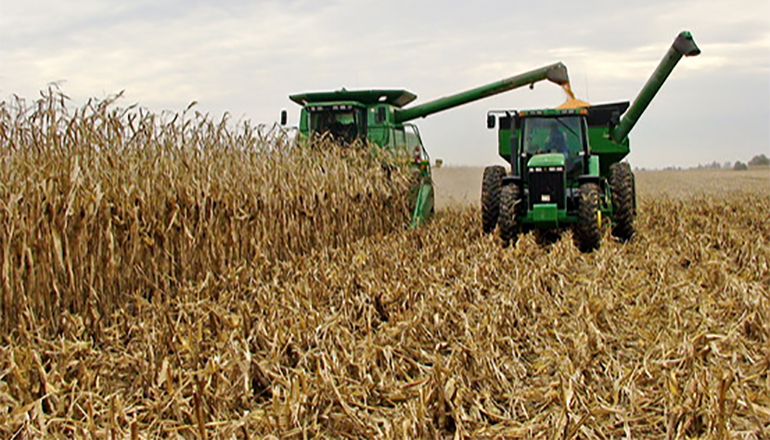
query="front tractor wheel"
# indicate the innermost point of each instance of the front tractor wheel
(588, 231)
(490, 196)
(623, 200)
(510, 197)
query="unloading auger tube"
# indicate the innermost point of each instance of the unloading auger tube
(556, 73)
(684, 45)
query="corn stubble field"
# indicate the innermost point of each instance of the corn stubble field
(170, 276)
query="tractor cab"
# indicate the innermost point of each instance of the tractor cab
(534, 140)
(554, 133)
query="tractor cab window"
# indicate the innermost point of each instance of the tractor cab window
(555, 134)
(561, 134)
(344, 123)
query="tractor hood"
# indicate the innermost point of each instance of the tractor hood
(547, 160)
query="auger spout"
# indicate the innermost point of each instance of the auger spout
(556, 73)
(684, 45)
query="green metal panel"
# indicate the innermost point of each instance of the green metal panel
(424, 202)
(379, 136)
(504, 143)
(304, 126)
(593, 166)
(545, 214)
(547, 160)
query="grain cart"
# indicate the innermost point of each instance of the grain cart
(381, 118)
(565, 166)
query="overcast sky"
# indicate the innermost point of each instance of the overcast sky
(246, 57)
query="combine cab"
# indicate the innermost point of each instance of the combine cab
(566, 168)
(380, 117)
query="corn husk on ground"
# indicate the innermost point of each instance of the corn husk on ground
(189, 284)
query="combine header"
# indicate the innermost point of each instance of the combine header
(566, 168)
(380, 117)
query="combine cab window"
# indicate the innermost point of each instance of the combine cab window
(345, 124)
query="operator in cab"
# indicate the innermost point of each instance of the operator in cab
(557, 142)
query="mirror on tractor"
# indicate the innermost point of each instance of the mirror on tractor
(491, 121)
(284, 117)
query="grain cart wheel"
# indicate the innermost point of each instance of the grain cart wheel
(588, 234)
(623, 200)
(510, 196)
(490, 196)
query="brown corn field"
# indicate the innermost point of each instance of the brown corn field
(168, 276)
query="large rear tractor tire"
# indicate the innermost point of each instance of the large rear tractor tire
(623, 200)
(588, 231)
(490, 196)
(510, 196)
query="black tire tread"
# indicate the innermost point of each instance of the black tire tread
(490, 197)
(509, 199)
(623, 200)
(588, 234)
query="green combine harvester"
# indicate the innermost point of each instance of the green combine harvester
(380, 117)
(565, 166)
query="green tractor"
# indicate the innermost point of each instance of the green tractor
(566, 168)
(380, 118)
